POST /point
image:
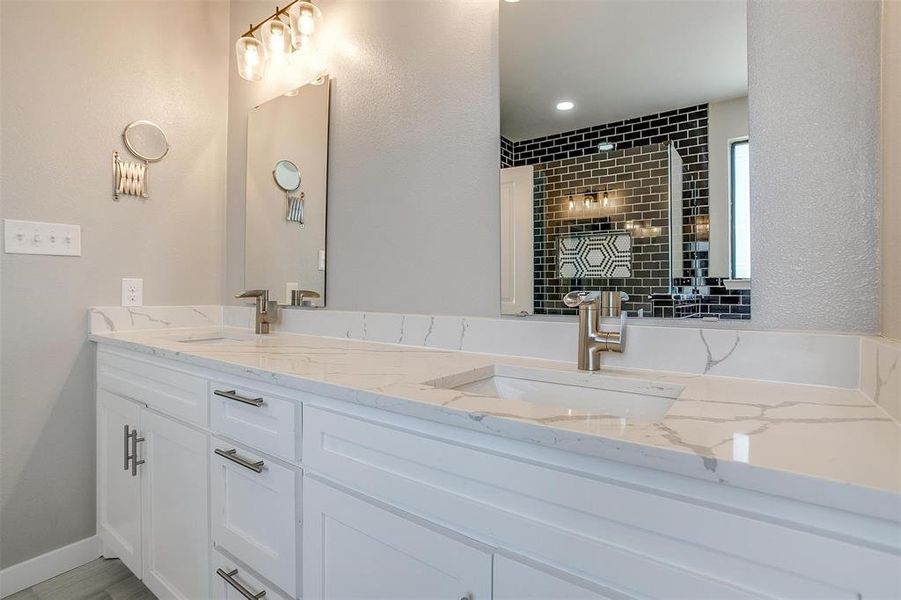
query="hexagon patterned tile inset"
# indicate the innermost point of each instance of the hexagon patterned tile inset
(595, 255)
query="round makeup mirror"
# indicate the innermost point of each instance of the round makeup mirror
(286, 175)
(146, 140)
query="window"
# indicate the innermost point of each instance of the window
(740, 195)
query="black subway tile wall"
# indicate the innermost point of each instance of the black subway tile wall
(636, 180)
(506, 153)
(570, 163)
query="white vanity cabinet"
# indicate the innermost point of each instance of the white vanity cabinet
(214, 484)
(248, 487)
(152, 497)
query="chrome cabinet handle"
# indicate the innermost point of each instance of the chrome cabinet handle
(231, 395)
(134, 451)
(229, 577)
(232, 455)
(126, 456)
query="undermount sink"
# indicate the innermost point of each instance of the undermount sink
(640, 399)
(214, 339)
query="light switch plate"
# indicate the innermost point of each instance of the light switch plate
(33, 237)
(132, 292)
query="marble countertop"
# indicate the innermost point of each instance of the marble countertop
(827, 445)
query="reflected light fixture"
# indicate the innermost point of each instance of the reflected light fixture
(300, 34)
(565, 105)
(606, 200)
(606, 146)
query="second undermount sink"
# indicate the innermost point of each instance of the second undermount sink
(640, 399)
(214, 338)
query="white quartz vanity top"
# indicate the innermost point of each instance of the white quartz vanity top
(803, 441)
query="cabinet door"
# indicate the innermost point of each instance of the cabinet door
(514, 580)
(118, 492)
(175, 524)
(354, 549)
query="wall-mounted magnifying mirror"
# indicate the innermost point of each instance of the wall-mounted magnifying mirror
(146, 141)
(286, 175)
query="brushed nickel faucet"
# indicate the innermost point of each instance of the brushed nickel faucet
(266, 309)
(593, 341)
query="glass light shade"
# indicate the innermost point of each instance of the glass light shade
(276, 38)
(306, 22)
(252, 58)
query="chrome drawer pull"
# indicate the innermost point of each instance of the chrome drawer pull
(232, 395)
(232, 455)
(127, 456)
(134, 452)
(228, 576)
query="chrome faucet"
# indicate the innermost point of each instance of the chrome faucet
(266, 309)
(593, 341)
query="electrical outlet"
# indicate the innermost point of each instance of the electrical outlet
(132, 292)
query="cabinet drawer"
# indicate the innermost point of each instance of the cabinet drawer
(153, 383)
(254, 515)
(259, 419)
(225, 585)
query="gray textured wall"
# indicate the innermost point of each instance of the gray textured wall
(814, 107)
(891, 173)
(73, 76)
(413, 215)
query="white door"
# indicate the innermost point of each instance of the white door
(118, 492)
(514, 580)
(174, 507)
(354, 549)
(677, 217)
(253, 512)
(517, 268)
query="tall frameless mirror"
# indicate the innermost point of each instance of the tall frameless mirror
(624, 156)
(287, 167)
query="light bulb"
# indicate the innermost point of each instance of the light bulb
(306, 24)
(306, 21)
(572, 204)
(587, 202)
(606, 199)
(275, 37)
(251, 58)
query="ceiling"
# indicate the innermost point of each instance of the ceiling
(615, 59)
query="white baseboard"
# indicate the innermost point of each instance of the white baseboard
(40, 568)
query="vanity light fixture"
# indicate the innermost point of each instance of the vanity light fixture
(299, 38)
(565, 105)
(606, 200)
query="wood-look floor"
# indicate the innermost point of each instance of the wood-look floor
(99, 579)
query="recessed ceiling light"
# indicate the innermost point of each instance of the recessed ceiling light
(566, 105)
(511, 1)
